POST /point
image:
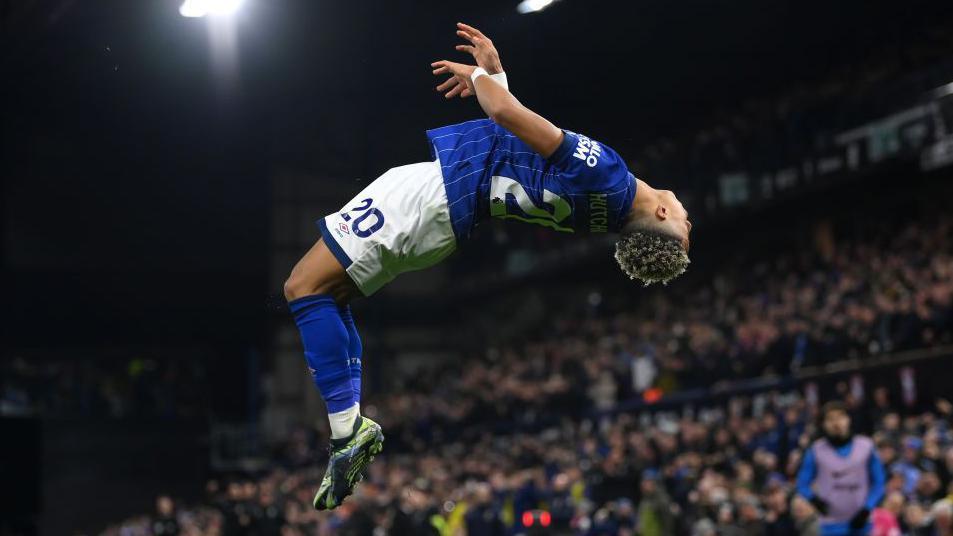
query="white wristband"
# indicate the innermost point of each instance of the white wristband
(500, 78)
(477, 73)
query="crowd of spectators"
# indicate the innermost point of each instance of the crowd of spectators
(722, 470)
(848, 299)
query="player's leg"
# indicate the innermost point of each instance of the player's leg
(317, 286)
(398, 223)
(355, 350)
(316, 290)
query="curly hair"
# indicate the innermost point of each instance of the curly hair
(650, 256)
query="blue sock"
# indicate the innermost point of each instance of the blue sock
(354, 350)
(325, 341)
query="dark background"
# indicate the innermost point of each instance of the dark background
(135, 178)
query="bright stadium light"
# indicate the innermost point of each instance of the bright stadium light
(532, 6)
(201, 8)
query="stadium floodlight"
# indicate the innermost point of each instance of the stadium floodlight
(201, 8)
(532, 6)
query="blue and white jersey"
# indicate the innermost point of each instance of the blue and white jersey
(489, 172)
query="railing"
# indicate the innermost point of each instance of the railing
(825, 374)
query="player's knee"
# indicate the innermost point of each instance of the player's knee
(296, 287)
(300, 285)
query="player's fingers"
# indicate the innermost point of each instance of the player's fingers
(470, 29)
(469, 37)
(466, 93)
(447, 84)
(444, 66)
(454, 92)
(479, 39)
(466, 48)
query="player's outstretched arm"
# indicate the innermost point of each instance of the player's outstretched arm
(498, 103)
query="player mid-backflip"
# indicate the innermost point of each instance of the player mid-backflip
(513, 165)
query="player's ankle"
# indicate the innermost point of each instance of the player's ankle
(344, 422)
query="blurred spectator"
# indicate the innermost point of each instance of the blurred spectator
(655, 508)
(841, 475)
(886, 519)
(165, 523)
(483, 518)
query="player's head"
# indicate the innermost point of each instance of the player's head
(653, 246)
(835, 422)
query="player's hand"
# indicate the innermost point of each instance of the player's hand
(459, 82)
(480, 47)
(859, 520)
(819, 504)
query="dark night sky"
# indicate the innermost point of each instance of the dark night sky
(136, 178)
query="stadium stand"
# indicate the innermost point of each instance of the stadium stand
(728, 466)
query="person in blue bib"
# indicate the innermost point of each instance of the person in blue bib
(841, 475)
(512, 165)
